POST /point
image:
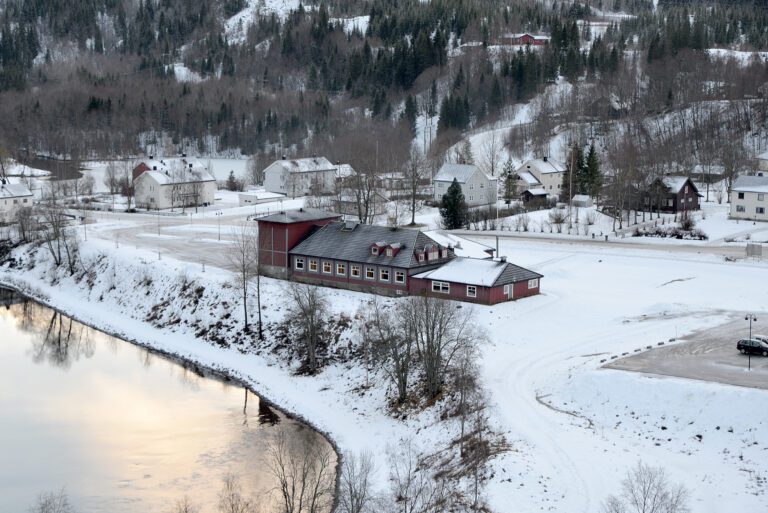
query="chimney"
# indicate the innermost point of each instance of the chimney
(151, 157)
(503, 260)
(545, 158)
(284, 158)
(154, 168)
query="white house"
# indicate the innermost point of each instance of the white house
(478, 188)
(162, 183)
(13, 196)
(258, 197)
(749, 198)
(300, 177)
(548, 172)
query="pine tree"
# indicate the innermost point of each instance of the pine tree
(594, 177)
(453, 209)
(510, 182)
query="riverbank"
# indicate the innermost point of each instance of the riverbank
(194, 315)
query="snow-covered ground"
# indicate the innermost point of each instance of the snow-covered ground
(742, 57)
(573, 427)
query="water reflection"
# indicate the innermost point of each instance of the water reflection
(125, 430)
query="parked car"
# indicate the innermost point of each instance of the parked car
(752, 346)
(761, 338)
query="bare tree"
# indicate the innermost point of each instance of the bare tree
(61, 240)
(243, 255)
(308, 311)
(647, 489)
(415, 172)
(125, 182)
(52, 502)
(384, 332)
(439, 330)
(304, 470)
(355, 494)
(491, 153)
(185, 505)
(112, 177)
(255, 172)
(413, 490)
(231, 498)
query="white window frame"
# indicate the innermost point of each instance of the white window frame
(740, 208)
(389, 252)
(313, 263)
(471, 198)
(509, 290)
(372, 272)
(329, 266)
(354, 270)
(670, 202)
(399, 276)
(421, 257)
(384, 271)
(341, 269)
(761, 197)
(298, 263)
(533, 283)
(471, 291)
(759, 210)
(441, 287)
(471, 187)
(374, 250)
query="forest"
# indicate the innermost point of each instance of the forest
(101, 78)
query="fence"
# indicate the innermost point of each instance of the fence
(754, 250)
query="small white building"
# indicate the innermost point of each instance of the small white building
(582, 201)
(301, 177)
(478, 188)
(163, 183)
(257, 197)
(749, 198)
(548, 172)
(12, 197)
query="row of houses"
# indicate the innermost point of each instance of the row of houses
(317, 247)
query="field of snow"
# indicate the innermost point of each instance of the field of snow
(742, 57)
(573, 428)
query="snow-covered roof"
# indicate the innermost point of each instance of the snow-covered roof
(299, 215)
(763, 156)
(175, 170)
(537, 192)
(751, 184)
(542, 166)
(675, 183)
(528, 178)
(461, 247)
(482, 273)
(344, 170)
(709, 170)
(262, 194)
(13, 190)
(581, 197)
(518, 36)
(306, 165)
(460, 172)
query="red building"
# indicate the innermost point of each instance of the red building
(477, 281)
(672, 194)
(279, 233)
(314, 247)
(527, 39)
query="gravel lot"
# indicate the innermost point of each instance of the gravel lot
(707, 355)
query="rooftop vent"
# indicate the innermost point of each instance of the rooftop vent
(190, 166)
(349, 226)
(545, 158)
(503, 259)
(151, 157)
(154, 168)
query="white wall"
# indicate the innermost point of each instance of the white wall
(277, 179)
(478, 190)
(750, 203)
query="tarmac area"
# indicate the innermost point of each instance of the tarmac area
(707, 355)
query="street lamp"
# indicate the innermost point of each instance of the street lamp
(218, 214)
(751, 318)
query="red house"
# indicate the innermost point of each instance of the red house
(672, 194)
(279, 233)
(527, 39)
(477, 281)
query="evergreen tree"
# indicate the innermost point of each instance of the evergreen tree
(593, 174)
(510, 182)
(409, 113)
(453, 208)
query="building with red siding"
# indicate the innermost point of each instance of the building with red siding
(477, 281)
(312, 246)
(526, 39)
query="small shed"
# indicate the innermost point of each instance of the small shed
(582, 201)
(258, 197)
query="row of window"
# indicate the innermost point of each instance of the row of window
(355, 270)
(15, 201)
(444, 287)
(760, 196)
(758, 210)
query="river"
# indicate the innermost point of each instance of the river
(122, 429)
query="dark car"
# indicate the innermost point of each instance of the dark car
(753, 346)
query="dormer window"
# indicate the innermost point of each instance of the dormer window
(374, 250)
(389, 252)
(420, 256)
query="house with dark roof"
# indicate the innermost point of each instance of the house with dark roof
(478, 188)
(312, 246)
(477, 281)
(366, 258)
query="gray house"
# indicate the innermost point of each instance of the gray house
(478, 188)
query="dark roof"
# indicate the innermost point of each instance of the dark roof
(514, 273)
(338, 242)
(299, 216)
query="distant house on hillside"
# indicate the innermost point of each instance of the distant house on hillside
(671, 194)
(301, 177)
(478, 188)
(526, 39)
(548, 172)
(176, 182)
(12, 197)
(749, 198)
